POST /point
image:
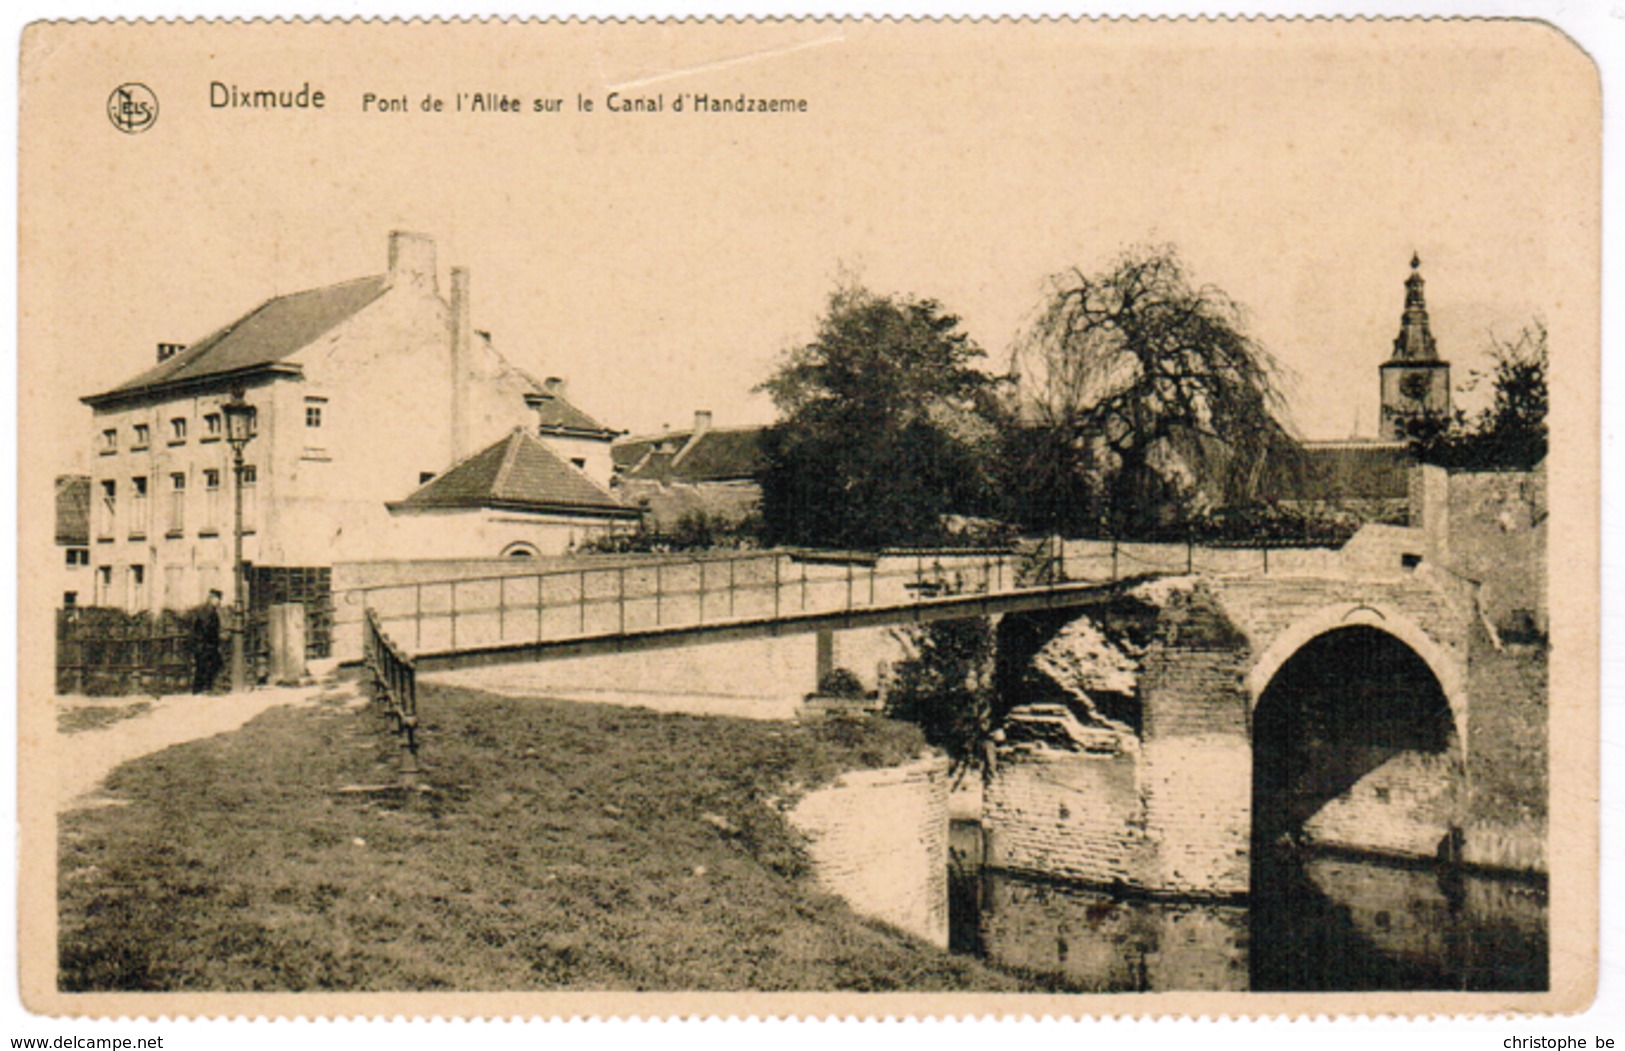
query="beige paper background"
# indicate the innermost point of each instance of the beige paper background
(662, 260)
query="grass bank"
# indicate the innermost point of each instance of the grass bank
(563, 846)
(91, 716)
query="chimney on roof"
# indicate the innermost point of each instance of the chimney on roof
(702, 424)
(555, 386)
(411, 260)
(461, 331)
(169, 350)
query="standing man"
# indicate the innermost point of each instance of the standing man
(206, 662)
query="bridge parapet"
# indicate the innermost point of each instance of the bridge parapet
(1374, 551)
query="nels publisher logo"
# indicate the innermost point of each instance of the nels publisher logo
(132, 108)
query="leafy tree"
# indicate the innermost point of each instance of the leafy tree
(883, 420)
(1508, 433)
(945, 685)
(1139, 394)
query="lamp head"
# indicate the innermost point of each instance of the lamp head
(239, 419)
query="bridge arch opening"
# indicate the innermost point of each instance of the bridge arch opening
(1357, 784)
(1356, 745)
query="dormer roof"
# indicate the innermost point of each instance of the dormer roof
(557, 415)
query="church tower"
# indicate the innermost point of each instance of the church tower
(1415, 383)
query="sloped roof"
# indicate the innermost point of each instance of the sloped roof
(556, 413)
(73, 509)
(720, 454)
(518, 473)
(264, 336)
(1333, 471)
(629, 452)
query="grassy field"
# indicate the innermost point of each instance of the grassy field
(563, 846)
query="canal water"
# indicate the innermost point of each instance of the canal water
(1316, 921)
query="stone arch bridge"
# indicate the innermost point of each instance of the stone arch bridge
(1159, 735)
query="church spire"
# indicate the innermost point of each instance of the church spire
(1415, 339)
(1415, 383)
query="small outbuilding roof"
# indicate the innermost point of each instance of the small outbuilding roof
(517, 473)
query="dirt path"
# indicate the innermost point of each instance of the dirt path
(84, 759)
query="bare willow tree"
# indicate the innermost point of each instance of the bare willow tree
(1142, 398)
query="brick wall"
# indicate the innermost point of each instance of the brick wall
(1067, 815)
(311, 587)
(1171, 810)
(1196, 761)
(1507, 756)
(1405, 806)
(879, 839)
(1497, 536)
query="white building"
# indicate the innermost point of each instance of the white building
(515, 498)
(363, 391)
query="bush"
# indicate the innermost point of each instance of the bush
(1273, 525)
(840, 682)
(694, 531)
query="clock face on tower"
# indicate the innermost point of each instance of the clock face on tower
(1415, 386)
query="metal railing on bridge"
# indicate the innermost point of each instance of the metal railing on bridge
(632, 597)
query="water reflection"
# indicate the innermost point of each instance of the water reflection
(1329, 922)
(1316, 922)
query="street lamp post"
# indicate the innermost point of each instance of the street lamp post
(239, 432)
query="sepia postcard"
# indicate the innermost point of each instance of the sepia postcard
(808, 518)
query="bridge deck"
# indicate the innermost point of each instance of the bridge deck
(920, 610)
(644, 603)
